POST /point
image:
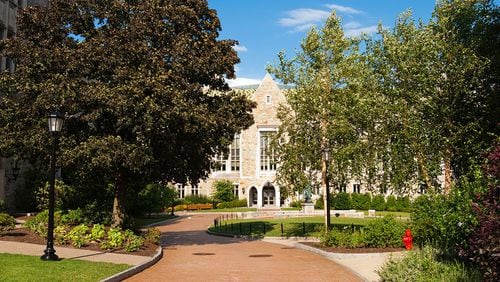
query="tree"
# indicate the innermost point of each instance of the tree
(129, 77)
(326, 110)
(223, 191)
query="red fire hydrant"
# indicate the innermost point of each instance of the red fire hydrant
(408, 239)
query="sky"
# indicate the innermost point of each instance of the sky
(265, 27)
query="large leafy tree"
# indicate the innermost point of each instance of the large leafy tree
(131, 79)
(326, 110)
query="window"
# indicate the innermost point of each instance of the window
(236, 190)
(268, 99)
(180, 190)
(230, 161)
(235, 153)
(342, 188)
(356, 188)
(267, 158)
(195, 190)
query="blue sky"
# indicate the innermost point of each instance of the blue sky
(265, 27)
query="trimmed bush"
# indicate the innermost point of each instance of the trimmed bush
(341, 201)
(426, 265)
(343, 238)
(361, 201)
(232, 204)
(7, 222)
(196, 199)
(319, 204)
(391, 204)
(403, 204)
(378, 203)
(384, 232)
(296, 204)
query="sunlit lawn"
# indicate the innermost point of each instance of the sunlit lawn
(313, 226)
(30, 268)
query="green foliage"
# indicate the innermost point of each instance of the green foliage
(61, 234)
(378, 203)
(38, 223)
(426, 265)
(153, 235)
(341, 201)
(361, 201)
(296, 204)
(98, 232)
(132, 242)
(343, 238)
(223, 191)
(232, 204)
(7, 222)
(3, 207)
(391, 203)
(73, 217)
(114, 107)
(319, 204)
(79, 236)
(42, 195)
(196, 199)
(152, 199)
(403, 204)
(115, 239)
(384, 232)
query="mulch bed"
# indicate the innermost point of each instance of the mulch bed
(25, 235)
(352, 250)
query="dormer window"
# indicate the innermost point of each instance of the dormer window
(268, 99)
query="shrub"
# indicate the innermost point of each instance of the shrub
(153, 235)
(403, 204)
(114, 240)
(426, 265)
(343, 238)
(232, 204)
(3, 207)
(60, 234)
(378, 203)
(341, 201)
(361, 201)
(132, 242)
(196, 199)
(79, 236)
(223, 191)
(391, 204)
(7, 222)
(384, 232)
(73, 217)
(98, 232)
(42, 194)
(319, 204)
(38, 223)
(296, 204)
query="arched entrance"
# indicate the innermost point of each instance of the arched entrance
(268, 195)
(253, 198)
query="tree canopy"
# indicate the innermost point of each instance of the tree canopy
(131, 78)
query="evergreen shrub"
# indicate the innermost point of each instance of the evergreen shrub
(378, 203)
(7, 222)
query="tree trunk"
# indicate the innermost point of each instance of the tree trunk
(119, 202)
(448, 171)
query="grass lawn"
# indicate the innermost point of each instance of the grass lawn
(395, 214)
(313, 226)
(30, 268)
(150, 219)
(228, 210)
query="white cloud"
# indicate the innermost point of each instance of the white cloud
(344, 9)
(240, 48)
(242, 81)
(302, 19)
(349, 32)
(352, 25)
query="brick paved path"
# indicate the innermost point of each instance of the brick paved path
(190, 254)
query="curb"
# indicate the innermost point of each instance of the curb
(135, 269)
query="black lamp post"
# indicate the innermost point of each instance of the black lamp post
(55, 126)
(326, 159)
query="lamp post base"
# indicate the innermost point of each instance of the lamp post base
(50, 254)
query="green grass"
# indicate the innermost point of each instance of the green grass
(30, 268)
(314, 226)
(395, 214)
(229, 210)
(147, 220)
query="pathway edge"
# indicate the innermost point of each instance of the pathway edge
(135, 269)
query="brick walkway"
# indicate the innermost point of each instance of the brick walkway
(190, 254)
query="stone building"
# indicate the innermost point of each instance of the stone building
(250, 164)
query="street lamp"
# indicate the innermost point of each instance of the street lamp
(326, 159)
(55, 125)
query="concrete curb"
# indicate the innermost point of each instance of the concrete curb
(135, 269)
